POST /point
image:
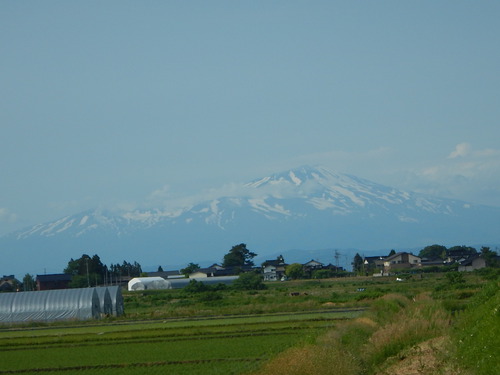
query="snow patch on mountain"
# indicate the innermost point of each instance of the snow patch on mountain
(262, 205)
(295, 179)
(86, 229)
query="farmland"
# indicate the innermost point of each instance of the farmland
(352, 326)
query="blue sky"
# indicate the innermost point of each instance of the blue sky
(133, 103)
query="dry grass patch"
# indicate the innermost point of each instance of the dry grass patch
(311, 360)
(426, 358)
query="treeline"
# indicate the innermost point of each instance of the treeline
(90, 271)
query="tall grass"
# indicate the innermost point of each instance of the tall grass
(477, 333)
(361, 346)
(422, 318)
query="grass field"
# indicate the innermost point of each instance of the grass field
(337, 326)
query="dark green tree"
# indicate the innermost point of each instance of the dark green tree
(433, 252)
(191, 267)
(238, 256)
(86, 271)
(29, 283)
(160, 269)
(294, 271)
(490, 257)
(358, 264)
(125, 269)
(461, 251)
(393, 252)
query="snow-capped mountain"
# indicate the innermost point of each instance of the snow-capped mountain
(304, 208)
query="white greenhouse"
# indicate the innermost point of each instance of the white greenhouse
(50, 305)
(149, 283)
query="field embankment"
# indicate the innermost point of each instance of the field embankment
(454, 328)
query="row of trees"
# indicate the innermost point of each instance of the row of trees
(90, 271)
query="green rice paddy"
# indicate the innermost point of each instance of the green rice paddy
(209, 346)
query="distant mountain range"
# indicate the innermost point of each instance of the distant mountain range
(305, 208)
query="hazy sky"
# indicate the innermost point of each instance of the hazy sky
(129, 103)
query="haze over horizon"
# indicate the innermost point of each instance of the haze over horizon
(128, 104)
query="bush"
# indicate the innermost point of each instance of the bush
(249, 281)
(196, 286)
(488, 273)
(455, 278)
(209, 296)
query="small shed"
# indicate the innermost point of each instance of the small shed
(143, 283)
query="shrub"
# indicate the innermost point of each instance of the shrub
(196, 286)
(455, 278)
(249, 281)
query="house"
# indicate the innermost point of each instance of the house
(401, 261)
(312, 265)
(374, 264)
(9, 284)
(333, 268)
(472, 263)
(53, 281)
(203, 272)
(274, 270)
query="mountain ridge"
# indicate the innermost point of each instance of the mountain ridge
(305, 207)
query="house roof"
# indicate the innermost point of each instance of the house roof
(469, 260)
(274, 262)
(312, 262)
(398, 255)
(166, 274)
(54, 277)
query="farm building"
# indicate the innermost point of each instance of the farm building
(472, 263)
(143, 283)
(53, 281)
(49, 305)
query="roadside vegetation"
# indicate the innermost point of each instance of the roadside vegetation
(429, 323)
